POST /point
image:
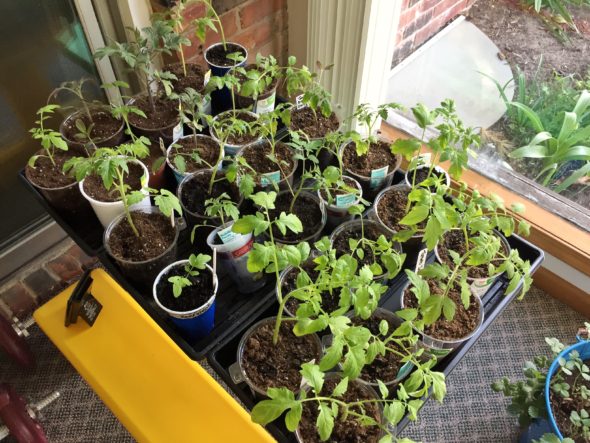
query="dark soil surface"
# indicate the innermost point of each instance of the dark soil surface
(422, 174)
(329, 300)
(345, 431)
(392, 208)
(156, 234)
(464, 322)
(277, 365)
(104, 126)
(384, 367)
(94, 187)
(192, 296)
(194, 78)
(334, 192)
(46, 175)
(315, 125)
(455, 241)
(195, 192)
(242, 139)
(505, 22)
(217, 55)
(372, 232)
(207, 148)
(257, 157)
(305, 208)
(164, 115)
(562, 408)
(378, 156)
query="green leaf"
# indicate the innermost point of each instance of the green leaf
(313, 375)
(340, 388)
(290, 221)
(383, 389)
(325, 421)
(250, 223)
(439, 387)
(406, 147)
(448, 307)
(354, 361)
(530, 115)
(265, 200)
(394, 412)
(168, 203)
(267, 411)
(293, 417)
(530, 151)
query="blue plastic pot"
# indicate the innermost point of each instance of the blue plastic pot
(194, 324)
(583, 348)
(221, 99)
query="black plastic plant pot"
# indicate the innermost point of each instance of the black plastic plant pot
(440, 348)
(232, 254)
(480, 286)
(105, 141)
(168, 133)
(194, 324)
(221, 98)
(237, 371)
(143, 273)
(371, 185)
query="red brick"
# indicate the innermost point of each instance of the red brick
(256, 35)
(65, 267)
(407, 16)
(42, 285)
(19, 300)
(428, 4)
(85, 261)
(193, 11)
(256, 10)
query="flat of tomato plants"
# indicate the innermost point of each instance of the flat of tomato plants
(225, 353)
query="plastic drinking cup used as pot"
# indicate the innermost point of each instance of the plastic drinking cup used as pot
(112, 140)
(180, 175)
(108, 211)
(194, 324)
(338, 214)
(315, 236)
(167, 133)
(409, 174)
(230, 149)
(233, 255)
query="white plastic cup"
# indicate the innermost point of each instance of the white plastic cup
(233, 256)
(108, 211)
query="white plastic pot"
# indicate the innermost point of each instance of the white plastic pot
(108, 211)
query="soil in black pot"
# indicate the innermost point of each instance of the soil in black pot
(194, 78)
(384, 367)
(195, 192)
(315, 125)
(378, 156)
(217, 55)
(464, 322)
(103, 124)
(47, 175)
(305, 208)
(277, 365)
(257, 158)
(156, 235)
(345, 431)
(164, 115)
(330, 300)
(340, 241)
(193, 296)
(562, 407)
(455, 241)
(94, 187)
(392, 208)
(242, 139)
(207, 149)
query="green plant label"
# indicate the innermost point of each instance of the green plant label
(405, 370)
(299, 101)
(421, 259)
(206, 77)
(226, 235)
(265, 105)
(177, 132)
(345, 200)
(270, 178)
(378, 176)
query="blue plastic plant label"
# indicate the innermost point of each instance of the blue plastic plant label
(378, 175)
(405, 370)
(270, 178)
(226, 235)
(345, 200)
(265, 105)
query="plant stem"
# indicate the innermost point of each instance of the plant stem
(275, 334)
(121, 187)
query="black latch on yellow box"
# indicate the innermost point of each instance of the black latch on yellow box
(81, 303)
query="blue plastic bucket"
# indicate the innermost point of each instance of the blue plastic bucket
(194, 324)
(583, 348)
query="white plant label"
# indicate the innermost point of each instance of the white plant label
(206, 109)
(206, 77)
(265, 105)
(480, 286)
(421, 262)
(299, 101)
(345, 200)
(425, 159)
(226, 235)
(378, 175)
(177, 132)
(270, 178)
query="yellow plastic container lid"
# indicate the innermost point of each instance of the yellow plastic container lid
(157, 392)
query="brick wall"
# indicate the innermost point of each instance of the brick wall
(420, 20)
(258, 25)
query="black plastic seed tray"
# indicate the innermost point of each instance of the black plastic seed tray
(224, 354)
